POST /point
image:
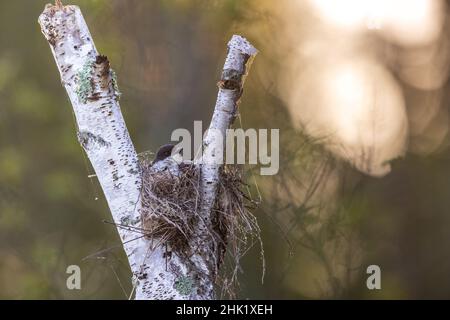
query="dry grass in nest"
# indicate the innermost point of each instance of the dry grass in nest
(170, 205)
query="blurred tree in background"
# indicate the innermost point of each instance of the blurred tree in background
(323, 222)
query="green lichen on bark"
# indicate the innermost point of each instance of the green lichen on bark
(184, 285)
(115, 85)
(89, 140)
(85, 86)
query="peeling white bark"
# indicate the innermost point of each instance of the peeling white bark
(93, 92)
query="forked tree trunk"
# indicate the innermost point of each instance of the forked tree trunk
(93, 91)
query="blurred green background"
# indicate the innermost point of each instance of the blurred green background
(168, 56)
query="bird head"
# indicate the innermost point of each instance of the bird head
(164, 152)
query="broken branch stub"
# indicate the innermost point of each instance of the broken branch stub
(238, 60)
(239, 57)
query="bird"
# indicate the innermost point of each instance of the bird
(164, 160)
(168, 159)
(163, 153)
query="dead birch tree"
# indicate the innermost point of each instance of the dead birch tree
(175, 220)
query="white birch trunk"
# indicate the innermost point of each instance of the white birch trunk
(240, 53)
(239, 56)
(93, 92)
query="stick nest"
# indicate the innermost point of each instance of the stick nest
(170, 215)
